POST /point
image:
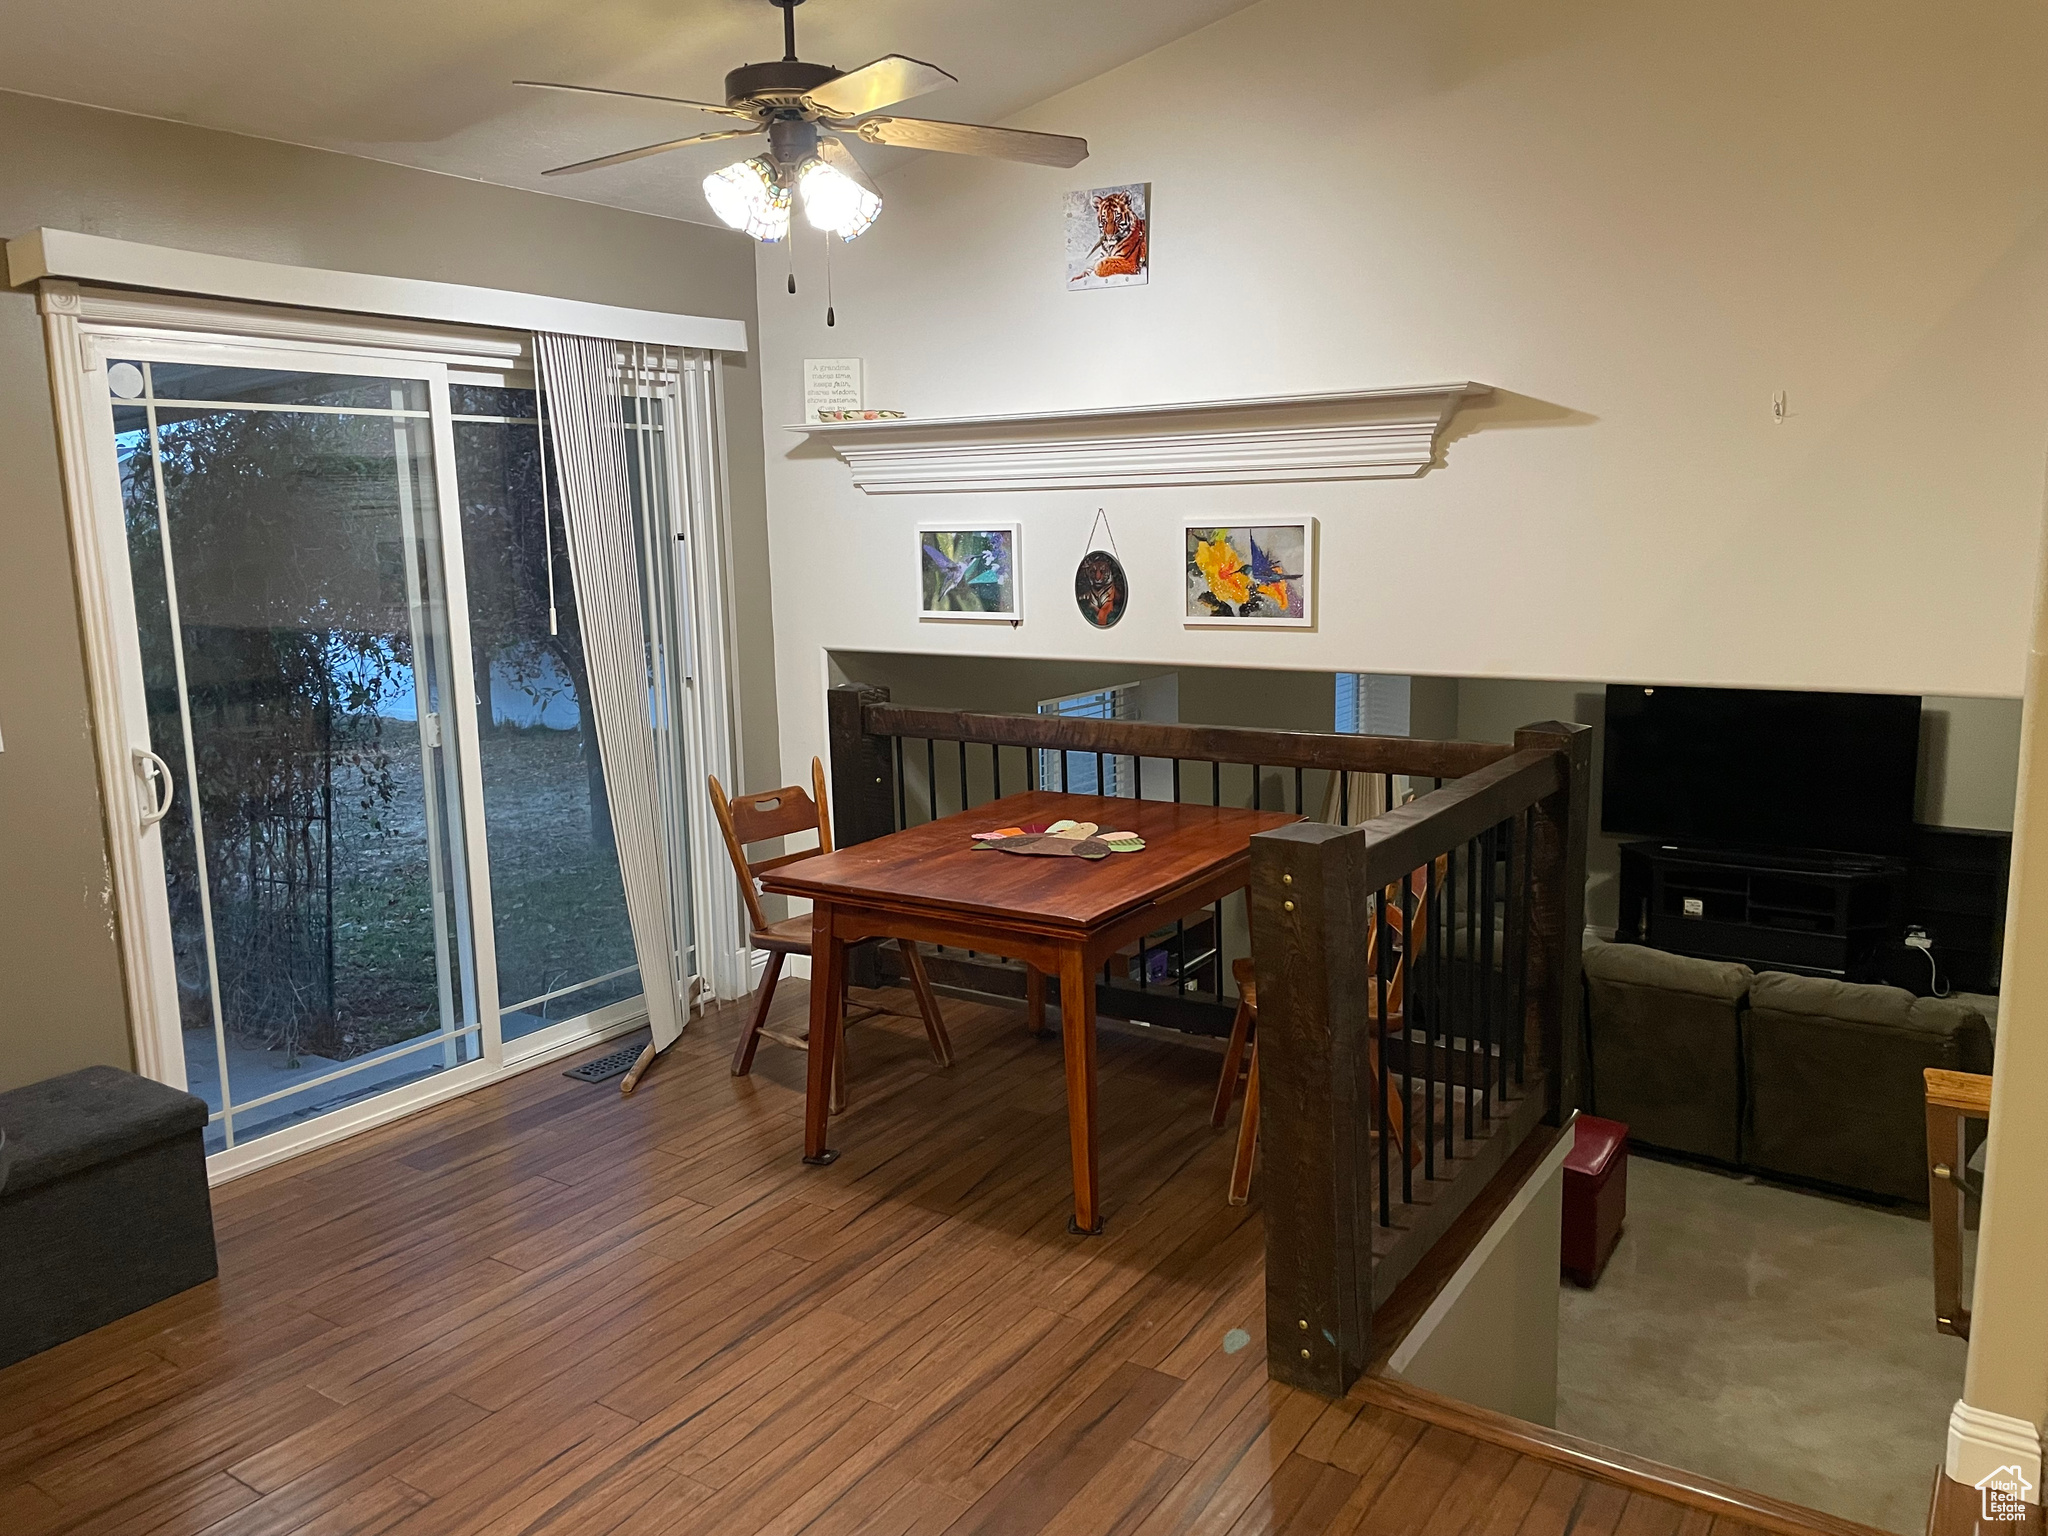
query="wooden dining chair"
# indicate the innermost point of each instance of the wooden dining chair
(1241, 1053)
(788, 812)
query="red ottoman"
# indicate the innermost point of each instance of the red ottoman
(1595, 1196)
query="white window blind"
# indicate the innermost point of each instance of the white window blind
(1089, 773)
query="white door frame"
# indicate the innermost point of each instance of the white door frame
(156, 1021)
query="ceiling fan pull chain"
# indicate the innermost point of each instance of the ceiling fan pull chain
(830, 317)
(789, 246)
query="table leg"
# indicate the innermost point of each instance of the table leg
(1077, 1030)
(1034, 1000)
(828, 1010)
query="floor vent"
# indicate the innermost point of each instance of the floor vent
(617, 1064)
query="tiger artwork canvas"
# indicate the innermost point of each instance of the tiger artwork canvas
(1261, 576)
(1109, 236)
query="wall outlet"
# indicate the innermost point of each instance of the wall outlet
(1695, 906)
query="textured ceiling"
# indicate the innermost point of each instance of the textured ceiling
(428, 82)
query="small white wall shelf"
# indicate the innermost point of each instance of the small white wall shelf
(1357, 435)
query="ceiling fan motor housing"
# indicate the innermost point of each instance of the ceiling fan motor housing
(779, 84)
(791, 142)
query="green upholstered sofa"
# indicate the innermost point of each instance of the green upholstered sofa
(1797, 1077)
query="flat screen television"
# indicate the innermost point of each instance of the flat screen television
(1760, 769)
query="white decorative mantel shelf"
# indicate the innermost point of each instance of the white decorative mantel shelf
(1357, 435)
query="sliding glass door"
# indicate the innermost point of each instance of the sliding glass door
(293, 633)
(564, 946)
(373, 817)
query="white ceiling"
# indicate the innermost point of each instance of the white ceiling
(428, 82)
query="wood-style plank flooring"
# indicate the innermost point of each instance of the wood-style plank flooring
(543, 1308)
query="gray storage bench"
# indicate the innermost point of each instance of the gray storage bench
(103, 1204)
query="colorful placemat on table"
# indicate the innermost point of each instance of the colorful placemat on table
(1060, 839)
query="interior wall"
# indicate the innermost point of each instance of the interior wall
(1490, 1337)
(1639, 223)
(134, 178)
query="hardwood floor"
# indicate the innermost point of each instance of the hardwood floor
(543, 1308)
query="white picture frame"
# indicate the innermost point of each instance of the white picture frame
(972, 571)
(1221, 589)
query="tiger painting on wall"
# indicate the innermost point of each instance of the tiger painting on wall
(1109, 236)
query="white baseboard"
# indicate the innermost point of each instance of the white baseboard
(1981, 1442)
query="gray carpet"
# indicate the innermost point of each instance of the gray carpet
(1770, 1338)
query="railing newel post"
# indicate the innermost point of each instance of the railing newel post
(1308, 898)
(1557, 916)
(862, 772)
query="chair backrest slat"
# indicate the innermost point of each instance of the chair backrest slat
(763, 817)
(773, 813)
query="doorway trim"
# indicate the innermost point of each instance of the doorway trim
(44, 254)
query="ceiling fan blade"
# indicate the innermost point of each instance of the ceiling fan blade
(674, 101)
(840, 158)
(884, 82)
(973, 139)
(652, 149)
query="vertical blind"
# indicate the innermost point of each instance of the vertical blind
(638, 450)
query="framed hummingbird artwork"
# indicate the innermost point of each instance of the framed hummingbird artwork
(970, 572)
(1260, 576)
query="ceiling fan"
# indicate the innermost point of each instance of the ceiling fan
(795, 104)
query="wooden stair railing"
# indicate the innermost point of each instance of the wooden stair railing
(1954, 1101)
(1486, 1049)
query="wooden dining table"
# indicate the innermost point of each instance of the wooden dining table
(1061, 916)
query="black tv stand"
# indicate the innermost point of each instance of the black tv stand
(1817, 914)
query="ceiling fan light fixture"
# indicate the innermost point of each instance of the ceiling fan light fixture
(835, 202)
(750, 196)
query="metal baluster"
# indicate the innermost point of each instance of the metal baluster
(1101, 777)
(1527, 927)
(1510, 946)
(995, 769)
(1407, 1045)
(1180, 924)
(1216, 912)
(1258, 787)
(1422, 978)
(1487, 996)
(1446, 989)
(1343, 797)
(902, 815)
(1062, 754)
(1504, 835)
(931, 777)
(1297, 791)
(1377, 915)
(1471, 979)
(962, 745)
